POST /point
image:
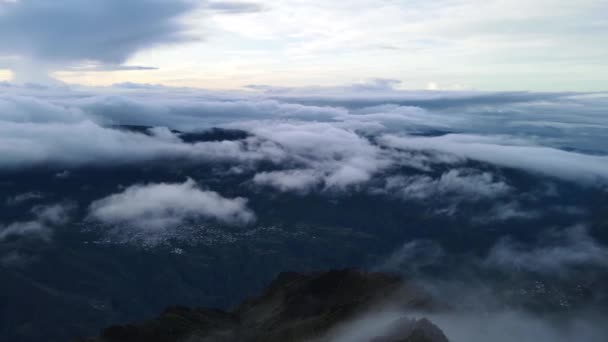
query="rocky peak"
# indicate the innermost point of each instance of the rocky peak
(294, 307)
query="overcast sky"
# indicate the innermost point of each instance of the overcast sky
(550, 45)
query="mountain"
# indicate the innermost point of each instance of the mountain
(296, 307)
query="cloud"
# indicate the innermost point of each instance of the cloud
(386, 325)
(558, 252)
(112, 67)
(504, 211)
(339, 157)
(511, 325)
(28, 109)
(56, 214)
(289, 180)
(23, 198)
(15, 259)
(88, 143)
(162, 206)
(63, 174)
(438, 37)
(107, 31)
(477, 306)
(511, 152)
(311, 144)
(468, 185)
(45, 218)
(234, 6)
(412, 256)
(28, 228)
(427, 148)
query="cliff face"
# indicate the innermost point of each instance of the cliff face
(295, 307)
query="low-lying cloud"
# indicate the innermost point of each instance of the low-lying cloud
(154, 207)
(27, 228)
(511, 152)
(468, 185)
(556, 252)
(314, 143)
(23, 198)
(45, 218)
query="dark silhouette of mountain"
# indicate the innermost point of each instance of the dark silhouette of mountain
(212, 134)
(295, 307)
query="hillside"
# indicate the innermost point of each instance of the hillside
(296, 307)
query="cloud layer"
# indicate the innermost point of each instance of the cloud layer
(318, 144)
(512, 153)
(443, 149)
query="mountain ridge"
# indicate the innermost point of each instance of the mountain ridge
(295, 307)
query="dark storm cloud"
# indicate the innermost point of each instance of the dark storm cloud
(107, 31)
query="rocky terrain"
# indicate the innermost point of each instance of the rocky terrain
(296, 307)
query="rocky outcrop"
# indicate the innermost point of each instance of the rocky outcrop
(295, 307)
(411, 330)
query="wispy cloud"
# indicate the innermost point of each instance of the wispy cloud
(558, 252)
(45, 217)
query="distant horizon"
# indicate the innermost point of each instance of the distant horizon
(261, 88)
(544, 45)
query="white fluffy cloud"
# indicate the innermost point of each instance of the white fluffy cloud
(163, 206)
(329, 155)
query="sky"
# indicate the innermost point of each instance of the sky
(490, 45)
